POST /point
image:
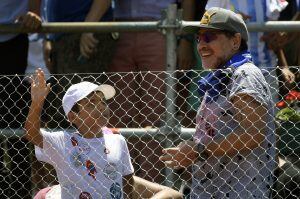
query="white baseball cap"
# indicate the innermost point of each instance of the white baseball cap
(77, 92)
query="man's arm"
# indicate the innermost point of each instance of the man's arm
(251, 115)
(87, 41)
(39, 91)
(98, 9)
(128, 186)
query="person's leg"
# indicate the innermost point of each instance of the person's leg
(123, 76)
(20, 167)
(150, 56)
(145, 154)
(14, 107)
(13, 55)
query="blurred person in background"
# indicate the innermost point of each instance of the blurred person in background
(141, 94)
(289, 45)
(14, 96)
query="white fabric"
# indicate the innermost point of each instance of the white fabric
(109, 155)
(77, 92)
(274, 7)
(36, 58)
(54, 192)
(243, 175)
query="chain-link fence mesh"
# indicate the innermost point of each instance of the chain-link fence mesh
(139, 112)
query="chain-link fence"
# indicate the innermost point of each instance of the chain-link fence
(140, 114)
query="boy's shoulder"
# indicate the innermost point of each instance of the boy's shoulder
(114, 137)
(54, 132)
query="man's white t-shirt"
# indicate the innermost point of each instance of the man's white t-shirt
(87, 168)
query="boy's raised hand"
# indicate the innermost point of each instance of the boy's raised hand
(39, 87)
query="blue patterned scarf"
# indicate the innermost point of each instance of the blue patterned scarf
(216, 81)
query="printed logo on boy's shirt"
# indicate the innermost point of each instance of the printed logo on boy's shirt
(115, 191)
(76, 159)
(84, 147)
(85, 195)
(91, 169)
(110, 171)
(74, 141)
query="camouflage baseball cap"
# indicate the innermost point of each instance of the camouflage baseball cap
(220, 19)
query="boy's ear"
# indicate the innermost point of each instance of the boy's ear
(72, 116)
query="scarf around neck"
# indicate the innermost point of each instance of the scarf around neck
(216, 81)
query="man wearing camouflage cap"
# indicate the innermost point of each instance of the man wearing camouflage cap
(233, 151)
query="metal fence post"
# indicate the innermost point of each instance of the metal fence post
(170, 120)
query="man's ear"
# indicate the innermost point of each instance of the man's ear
(237, 40)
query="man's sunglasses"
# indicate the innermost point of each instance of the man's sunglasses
(208, 36)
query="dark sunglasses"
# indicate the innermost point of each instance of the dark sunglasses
(208, 36)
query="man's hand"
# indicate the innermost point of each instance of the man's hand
(39, 88)
(88, 44)
(30, 20)
(276, 40)
(181, 156)
(288, 75)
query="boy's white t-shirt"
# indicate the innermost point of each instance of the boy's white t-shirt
(87, 168)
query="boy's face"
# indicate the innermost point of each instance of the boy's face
(93, 111)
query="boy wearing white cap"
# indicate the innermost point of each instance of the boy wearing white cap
(88, 162)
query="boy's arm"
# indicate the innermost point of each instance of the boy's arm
(88, 42)
(146, 189)
(128, 186)
(39, 91)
